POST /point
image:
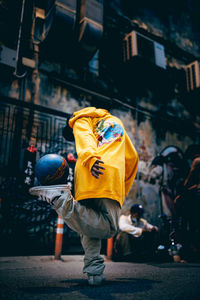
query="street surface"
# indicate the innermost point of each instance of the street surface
(41, 277)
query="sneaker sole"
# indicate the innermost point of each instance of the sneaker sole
(34, 190)
(100, 282)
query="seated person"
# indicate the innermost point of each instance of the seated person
(137, 238)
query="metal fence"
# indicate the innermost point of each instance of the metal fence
(28, 226)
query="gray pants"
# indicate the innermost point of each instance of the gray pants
(94, 220)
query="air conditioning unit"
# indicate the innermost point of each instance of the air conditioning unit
(66, 10)
(8, 56)
(91, 23)
(44, 14)
(136, 44)
(193, 75)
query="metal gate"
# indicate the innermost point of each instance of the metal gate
(27, 132)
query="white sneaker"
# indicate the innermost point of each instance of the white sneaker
(50, 193)
(96, 279)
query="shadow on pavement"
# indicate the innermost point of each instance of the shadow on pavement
(121, 286)
(175, 265)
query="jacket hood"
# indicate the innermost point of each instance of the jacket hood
(92, 112)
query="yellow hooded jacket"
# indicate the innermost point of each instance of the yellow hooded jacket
(99, 135)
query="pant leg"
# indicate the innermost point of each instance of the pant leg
(93, 261)
(98, 220)
(123, 244)
(93, 219)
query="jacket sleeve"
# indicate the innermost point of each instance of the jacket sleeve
(125, 226)
(86, 144)
(131, 163)
(147, 225)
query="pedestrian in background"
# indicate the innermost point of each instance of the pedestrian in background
(187, 205)
(137, 237)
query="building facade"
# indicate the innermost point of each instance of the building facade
(134, 58)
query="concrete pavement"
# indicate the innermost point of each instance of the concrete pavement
(41, 277)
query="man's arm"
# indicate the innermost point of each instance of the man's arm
(86, 146)
(148, 226)
(189, 181)
(126, 226)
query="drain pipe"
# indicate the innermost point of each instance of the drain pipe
(18, 44)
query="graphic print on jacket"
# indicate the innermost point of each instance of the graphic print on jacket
(108, 131)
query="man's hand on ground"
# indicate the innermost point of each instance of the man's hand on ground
(154, 228)
(95, 168)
